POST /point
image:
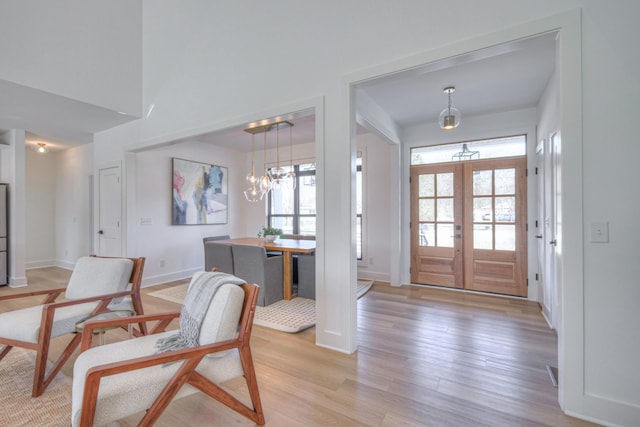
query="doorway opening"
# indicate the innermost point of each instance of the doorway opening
(468, 216)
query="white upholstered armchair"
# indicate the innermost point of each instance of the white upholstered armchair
(95, 284)
(128, 377)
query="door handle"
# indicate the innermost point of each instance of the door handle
(100, 232)
(539, 236)
(553, 242)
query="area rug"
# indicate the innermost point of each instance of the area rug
(18, 408)
(363, 287)
(289, 316)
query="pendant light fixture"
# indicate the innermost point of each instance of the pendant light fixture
(450, 116)
(265, 180)
(466, 154)
(252, 193)
(290, 178)
(272, 179)
(277, 174)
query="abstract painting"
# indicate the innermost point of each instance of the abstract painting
(199, 193)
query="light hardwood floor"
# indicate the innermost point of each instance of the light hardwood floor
(426, 357)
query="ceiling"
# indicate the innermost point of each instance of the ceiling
(59, 122)
(500, 78)
(495, 79)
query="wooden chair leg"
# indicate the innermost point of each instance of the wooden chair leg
(137, 305)
(41, 379)
(169, 392)
(255, 414)
(252, 383)
(5, 350)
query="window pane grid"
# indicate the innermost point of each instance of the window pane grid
(494, 209)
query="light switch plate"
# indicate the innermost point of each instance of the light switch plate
(146, 221)
(600, 232)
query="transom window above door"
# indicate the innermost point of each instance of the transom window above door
(495, 148)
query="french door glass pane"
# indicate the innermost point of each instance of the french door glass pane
(445, 184)
(482, 183)
(482, 209)
(505, 237)
(426, 185)
(427, 235)
(505, 181)
(505, 209)
(482, 236)
(445, 235)
(426, 211)
(445, 210)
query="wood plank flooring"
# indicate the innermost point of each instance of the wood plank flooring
(426, 357)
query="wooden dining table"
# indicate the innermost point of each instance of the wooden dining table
(288, 247)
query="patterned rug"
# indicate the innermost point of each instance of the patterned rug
(18, 408)
(290, 316)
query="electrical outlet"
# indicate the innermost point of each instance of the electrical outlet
(162, 262)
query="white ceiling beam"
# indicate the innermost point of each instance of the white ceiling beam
(372, 117)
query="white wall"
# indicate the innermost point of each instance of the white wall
(58, 207)
(40, 203)
(179, 247)
(611, 87)
(73, 209)
(89, 51)
(376, 210)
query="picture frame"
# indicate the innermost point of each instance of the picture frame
(199, 193)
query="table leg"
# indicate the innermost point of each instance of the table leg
(288, 275)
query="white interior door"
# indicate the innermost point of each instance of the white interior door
(109, 212)
(545, 292)
(554, 240)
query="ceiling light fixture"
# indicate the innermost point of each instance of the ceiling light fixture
(276, 177)
(277, 174)
(465, 154)
(42, 148)
(290, 178)
(450, 116)
(252, 193)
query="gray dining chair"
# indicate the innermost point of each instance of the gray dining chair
(250, 263)
(307, 276)
(218, 255)
(294, 258)
(214, 238)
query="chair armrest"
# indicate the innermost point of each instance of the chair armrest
(105, 299)
(161, 358)
(191, 357)
(48, 311)
(163, 321)
(52, 294)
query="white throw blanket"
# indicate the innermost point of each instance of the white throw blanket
(195, 307)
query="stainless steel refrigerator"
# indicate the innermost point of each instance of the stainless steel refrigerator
(4, 279)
